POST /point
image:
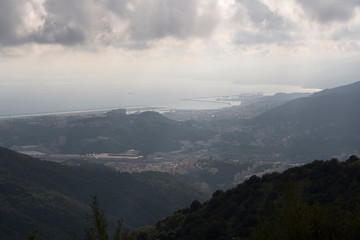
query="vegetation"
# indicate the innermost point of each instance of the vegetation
(320, 200)
(53, 198)
(97, 225)
(314, 201)
(296, 219)
(147, 132)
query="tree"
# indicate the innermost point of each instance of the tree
(32, 235)
(98, 224)
(295, 219)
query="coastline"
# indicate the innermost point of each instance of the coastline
(176, 102)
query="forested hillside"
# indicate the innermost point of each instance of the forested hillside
(322, 197)
(147, 132)
(54, 198)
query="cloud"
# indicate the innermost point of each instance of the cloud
(143, 24)
(68, 11)
(346, 33)
(65, 23)
(260, 24)
(10, 19)
(52, 22)
(253, 38)
(120, 8)
(56, 33)
(155, 19)
(113, 22)
(261, 16)
(326, 11)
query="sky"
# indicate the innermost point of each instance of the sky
(57, 53)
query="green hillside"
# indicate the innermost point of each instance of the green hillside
(326, 192)
(54, 198)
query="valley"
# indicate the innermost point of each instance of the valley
(195, 145)
(179, 120)
(156, 163)
(263, 134)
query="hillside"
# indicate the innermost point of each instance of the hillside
(323, 125)
(335, 106)
(319, 189)
(55, 198)
(147, 132)
(350, 88)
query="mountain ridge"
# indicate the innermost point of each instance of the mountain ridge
(54, 198)
(323, 125)
(237, 212)
(328, 105)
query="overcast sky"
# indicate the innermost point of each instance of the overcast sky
(120, 43)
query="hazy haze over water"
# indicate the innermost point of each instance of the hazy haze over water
(34, 99)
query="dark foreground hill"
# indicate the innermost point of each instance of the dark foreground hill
(54, 198)
(319, 198)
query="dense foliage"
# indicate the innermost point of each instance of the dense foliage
(297, 219)
(321, 195)
(97, 228)
(54, 198)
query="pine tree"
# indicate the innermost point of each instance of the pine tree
(98, 224)
(97, 221)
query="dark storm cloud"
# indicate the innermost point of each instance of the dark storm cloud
(9, 20)
(261, 15)
(326, 11)
(162, 18)
(69, 22)
(69, 11)
(62, 25)
(65, 23)
(57, 33)
(266, 26)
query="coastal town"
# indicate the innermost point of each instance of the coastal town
(189, 158)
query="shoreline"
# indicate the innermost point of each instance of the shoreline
(214, 102)
(129, 110)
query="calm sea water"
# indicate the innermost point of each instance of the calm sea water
(35, 99)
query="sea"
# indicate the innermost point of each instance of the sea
(35, 100)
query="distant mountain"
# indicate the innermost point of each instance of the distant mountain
(54, 198)
(329, 106)
(320, 197)
(350, 88)
(323, 125)
(114, 132)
